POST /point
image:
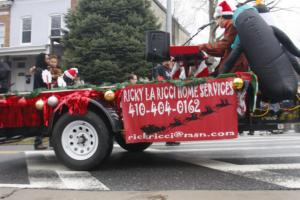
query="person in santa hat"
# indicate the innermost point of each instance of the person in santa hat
(68, 78)
(222, 48)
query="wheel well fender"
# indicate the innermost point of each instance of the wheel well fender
(108, 114)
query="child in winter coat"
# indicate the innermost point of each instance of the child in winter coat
(54, 69)
(68, 78)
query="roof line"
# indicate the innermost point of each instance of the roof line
(165, 11)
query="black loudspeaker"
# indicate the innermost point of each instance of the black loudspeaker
(157, 46)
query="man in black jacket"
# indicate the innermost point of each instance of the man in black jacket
(163, 71)
(4, 77)
(42, 62)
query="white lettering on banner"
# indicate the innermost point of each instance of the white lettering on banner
(192, 106)
(167, 92)
(216, 89)
(133, 95)
(188, 92)
(137, 109)
(187, 98)
(173, 92)
(164, 107)
(178, 135)
(150, 95)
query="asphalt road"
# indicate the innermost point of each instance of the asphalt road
(249, 163)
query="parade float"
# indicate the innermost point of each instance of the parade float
(83, 123)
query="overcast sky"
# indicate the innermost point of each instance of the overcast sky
(191, 17)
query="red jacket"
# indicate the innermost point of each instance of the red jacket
(222, 48)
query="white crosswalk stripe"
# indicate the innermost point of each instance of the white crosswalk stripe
(257, 172)
(240, 144)
(240, 148)
(44, 171)
(242, 141)
(80, 181)
(229, 148)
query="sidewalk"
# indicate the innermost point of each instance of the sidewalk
(29, 194)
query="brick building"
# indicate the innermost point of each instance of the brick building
(4, 22)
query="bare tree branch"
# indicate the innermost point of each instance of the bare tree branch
(290, 9)
(187, 15)
(273, 4)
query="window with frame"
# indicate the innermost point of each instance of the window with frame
(26, 30)
(2, 35)
(56, 25)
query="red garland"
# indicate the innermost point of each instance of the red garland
(77, 102)
(20, 112)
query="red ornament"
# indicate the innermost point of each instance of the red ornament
(3, 101)
(22, 102)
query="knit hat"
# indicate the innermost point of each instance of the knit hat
(223, 9)
(71, 73)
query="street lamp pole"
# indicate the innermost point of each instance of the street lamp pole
(169, 20)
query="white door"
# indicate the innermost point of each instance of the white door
(18, 76)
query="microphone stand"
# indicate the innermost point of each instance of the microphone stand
(199, 30)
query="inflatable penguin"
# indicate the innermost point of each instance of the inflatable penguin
(266, 50)
(265, 13)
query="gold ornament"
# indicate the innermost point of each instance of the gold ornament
(39, 104)
(258, 2)
(238, 83)
(109, 95)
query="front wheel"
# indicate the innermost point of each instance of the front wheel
(138, 147)
(81, 142)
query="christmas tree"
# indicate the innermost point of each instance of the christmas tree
(106, 39)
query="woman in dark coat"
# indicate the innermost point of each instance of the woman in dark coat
(41, 63)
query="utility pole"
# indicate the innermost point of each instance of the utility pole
(169, 20)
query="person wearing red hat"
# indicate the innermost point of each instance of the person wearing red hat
(68, 78)
(222, 48)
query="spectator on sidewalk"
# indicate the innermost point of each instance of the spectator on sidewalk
(41, 80)
(4, 77)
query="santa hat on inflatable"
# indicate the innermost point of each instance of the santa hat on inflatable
(223, 9)
(71, 73)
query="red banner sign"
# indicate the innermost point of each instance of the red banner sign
(164, 112)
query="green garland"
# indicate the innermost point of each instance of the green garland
(118, 86)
